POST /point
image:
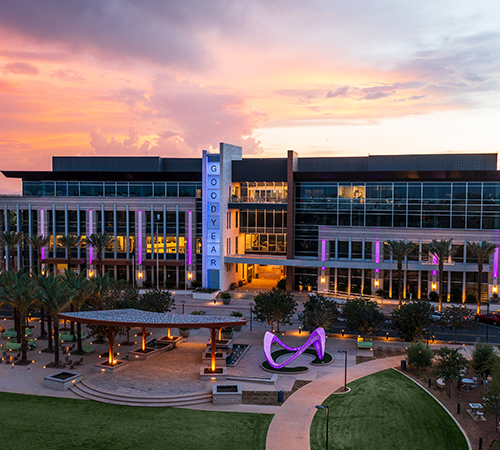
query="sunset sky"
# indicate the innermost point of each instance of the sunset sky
(170, 78)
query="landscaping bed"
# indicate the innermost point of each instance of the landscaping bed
(270, 398)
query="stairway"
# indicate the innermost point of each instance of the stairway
(89, 392)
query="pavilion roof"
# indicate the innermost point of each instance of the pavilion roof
(148, 319)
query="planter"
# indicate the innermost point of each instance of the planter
(220, 358)
(62, 380)
(207, 375)
(226, 301)
(225, 343)
(228, 336)
(205, 295)
(238, 327)
(138, 354)
(227, 394)
(164, 340)
(184, 333)
(106, 367)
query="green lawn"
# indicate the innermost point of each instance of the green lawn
(386, 411)
(56, 423)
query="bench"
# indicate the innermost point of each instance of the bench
(368, 343)
(13, 346)
(66, 337)
(89, 349)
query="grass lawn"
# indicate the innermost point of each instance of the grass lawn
(386, 411)
(57, 423)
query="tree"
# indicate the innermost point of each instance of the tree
(38, 242)
(482, 358)
(441, 250)
(319, 312)
(482, 252)
(491, 399)
(18, 290)
(399, 251)
(99, 242)
(102, 285)
(419, 355)
(450, 364)
(56, 295)
(458, 318)
(69, 242)
(411, 319)
(12, 240)
(82, 290)
(274, 306)
(363, 316)
(157, 301)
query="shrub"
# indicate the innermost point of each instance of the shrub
(198, 313)
(225, 295)
(471, 298)
(380, 293)
(481, 357)
(227, 330)
(419, 355)
(282, 284)
(195, 283)
(456, 295)
(367, 290)
(236, 314)
(355, 289)
(433, 296)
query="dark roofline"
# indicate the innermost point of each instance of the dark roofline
(103, 176)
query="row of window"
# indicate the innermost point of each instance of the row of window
(110, 189)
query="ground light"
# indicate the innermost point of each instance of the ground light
(345, 372)
(327, 415)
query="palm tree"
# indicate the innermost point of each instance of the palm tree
(18, 290)
(102, 286)
(441, 250)
(482, 252)
(399, 250)
(69, 242)
(99, 242)
(38, 242)
(55, 294)
(83, 289)
(12, 240)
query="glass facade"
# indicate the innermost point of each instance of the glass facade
(412, 205)
(111, 189)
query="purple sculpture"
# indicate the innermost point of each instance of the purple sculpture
(317, 338)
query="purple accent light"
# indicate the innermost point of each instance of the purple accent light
(190, 244)
(317, 338)
(323, 249)
(495, 263)
(139, 238)
(434, 273)
(434, 259)
(42, 230)
(377, 252)
(91, 231)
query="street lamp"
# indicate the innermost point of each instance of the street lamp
(345, 372)
(427, 332)
(327, 414)
(183, 301)
(251, 314)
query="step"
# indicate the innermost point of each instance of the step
(137, 403)
(152, 398)
(89, 393)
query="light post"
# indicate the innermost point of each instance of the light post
(251, 314)
(345, 371)
(183, 301)
(327, 415)
(427, 332)
(157, 254)
(487, 318)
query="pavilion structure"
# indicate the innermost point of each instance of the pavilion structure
(135, 318)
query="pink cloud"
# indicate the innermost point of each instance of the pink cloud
(21, 68)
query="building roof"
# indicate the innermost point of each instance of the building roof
(148, 319)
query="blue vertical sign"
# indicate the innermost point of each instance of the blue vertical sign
(211, 232)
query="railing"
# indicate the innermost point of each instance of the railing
(235, 199)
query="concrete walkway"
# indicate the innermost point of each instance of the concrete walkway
(290, 426)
